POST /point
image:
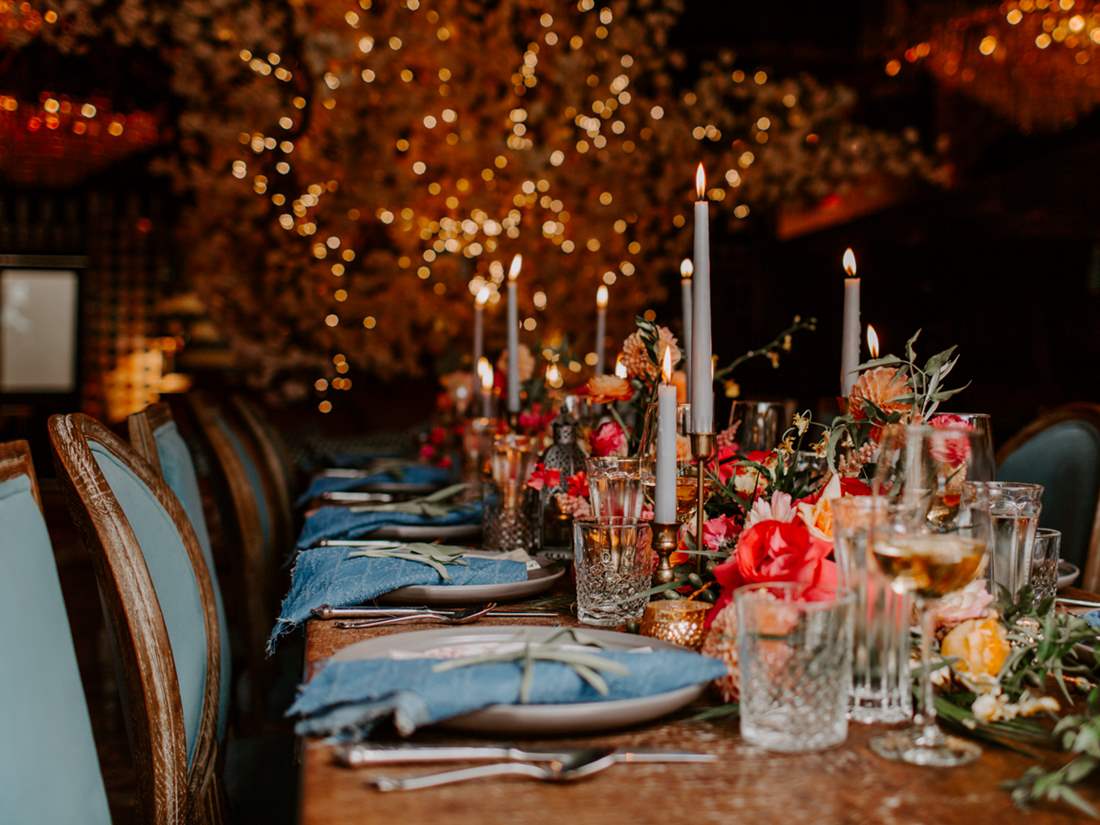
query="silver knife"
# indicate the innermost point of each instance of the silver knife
(357, 756)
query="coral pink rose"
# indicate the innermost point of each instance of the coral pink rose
(609, 439)
(541, 477)
(577, 485)
(776, 551)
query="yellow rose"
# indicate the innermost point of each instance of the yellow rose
(978, 646)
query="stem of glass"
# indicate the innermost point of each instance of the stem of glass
(930, 734)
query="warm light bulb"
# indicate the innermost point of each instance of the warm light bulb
(620, 368)
(666, 365)
(553, 376)
(482, 296)
(850, 262)
(687, 268)
(601, 297)
(517, 264)
(485, 372)
(700, 182)
(872, 341)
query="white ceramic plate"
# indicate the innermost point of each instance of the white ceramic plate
(439, 595)
(427, 532)
(406, 487)
(1067, 574)
(524, 720)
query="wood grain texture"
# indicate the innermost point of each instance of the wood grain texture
(143, 426)
(255, 580)
(15, 460)
(171, 794)
(847, 785)
(1081, 411)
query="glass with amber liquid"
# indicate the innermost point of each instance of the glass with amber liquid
(926, 552)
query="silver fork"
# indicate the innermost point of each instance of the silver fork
(578, 765)
(470, 614)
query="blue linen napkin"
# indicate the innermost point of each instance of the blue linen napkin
(326, 575)
(347, 523)
(1093, 618)
(412, 474)
(346, 699)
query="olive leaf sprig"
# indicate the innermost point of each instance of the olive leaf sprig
(782, 342)
(588, 666)
(433, 505)
(436, 556)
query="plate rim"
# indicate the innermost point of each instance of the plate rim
(451, 593)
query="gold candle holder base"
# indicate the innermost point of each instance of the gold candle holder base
(666, 537)
(702, 448)
(680, 621)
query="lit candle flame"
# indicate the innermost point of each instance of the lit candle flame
(620, 368)
(687, 268)
(666, 366)
(850, 262)
(553, 376)
(485, 372)
(700, 182)
(872, 341)
(601, 297)
(483, 296)
(513, 271)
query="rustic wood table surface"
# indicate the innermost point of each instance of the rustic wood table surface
(848, 784)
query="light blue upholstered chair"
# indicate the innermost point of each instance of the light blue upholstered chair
(159, 599)
(49, 770)
(157, 439)
(1061, 451)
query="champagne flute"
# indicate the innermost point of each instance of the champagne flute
(926, 544)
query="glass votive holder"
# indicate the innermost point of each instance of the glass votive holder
(795, 660)
(1045, 553)
(616, 487)
(477, 443)
(1012, 509)
(881, 688)
(512, 459)
(679, 621)
(613, 564)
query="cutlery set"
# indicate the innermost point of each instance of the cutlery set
(556, 765)
(358, 618)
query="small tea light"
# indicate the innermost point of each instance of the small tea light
(680, 621)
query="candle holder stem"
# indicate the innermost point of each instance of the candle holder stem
(702, 448)
(665, 540)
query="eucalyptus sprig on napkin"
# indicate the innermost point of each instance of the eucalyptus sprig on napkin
(434, 505)
(436, 556)
(586, 665)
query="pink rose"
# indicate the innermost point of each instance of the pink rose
(972, 602)
(719, 531)
(542, 477)
(609, 439)
(951, 448)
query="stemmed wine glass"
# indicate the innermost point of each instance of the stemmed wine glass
(926, 543)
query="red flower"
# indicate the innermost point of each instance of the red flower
(437, 436)
(541, 477)
(578, 485)
(951, 448)
(609, 439)
(777, 551)
(445, 462)
(427, 452)
(535, 420)
(848, 487)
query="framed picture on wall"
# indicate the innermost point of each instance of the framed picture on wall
(39, 326)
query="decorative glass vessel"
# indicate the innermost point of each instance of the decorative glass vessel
(564, 455)
(511, 509)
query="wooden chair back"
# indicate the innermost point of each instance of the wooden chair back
(1080, 479)
(155, 437)
(159, 601)
(48, 757)
(256, 562)
(271, 454)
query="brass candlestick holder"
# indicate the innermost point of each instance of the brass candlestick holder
(665, 540)
(702, 448)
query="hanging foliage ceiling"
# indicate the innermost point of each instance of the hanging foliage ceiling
(358, 170)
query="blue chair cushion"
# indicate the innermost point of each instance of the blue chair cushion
(179, 475)
(49, 770)
(173, 578)
(1065, 459)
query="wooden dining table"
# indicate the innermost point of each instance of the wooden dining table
(846, 784)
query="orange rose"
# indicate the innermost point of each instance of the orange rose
(603, 389)
(881, 386)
